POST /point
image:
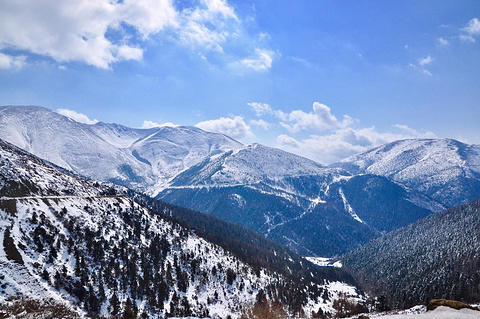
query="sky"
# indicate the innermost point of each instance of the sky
(322, 79)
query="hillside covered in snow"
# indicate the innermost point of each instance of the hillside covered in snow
(79, 242)
(143, 159)
(312, 209)
(444, 169)
(315, 210)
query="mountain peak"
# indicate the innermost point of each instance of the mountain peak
(425, 164)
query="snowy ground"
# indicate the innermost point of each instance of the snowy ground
(439, 313)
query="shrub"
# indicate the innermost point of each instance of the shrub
(20, 308)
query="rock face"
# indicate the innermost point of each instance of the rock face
(454, 304)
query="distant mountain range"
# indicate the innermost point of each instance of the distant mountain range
(313, 209)
(103, 251)
(142, 159)
(445, 169)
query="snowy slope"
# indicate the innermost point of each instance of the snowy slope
(445, 169)
(267, 190)
(143, 159)
(74, 240)
(171, 150)
(439, 313)
(250, 164)
(295, 201)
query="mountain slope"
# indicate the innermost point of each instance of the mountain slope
(143, 159)
(436, 257)
(295, 201)
(275, 193)
(76, 241)
(446, 170)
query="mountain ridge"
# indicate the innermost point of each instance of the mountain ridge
(80, 242)
(444, 169)
(127, 155)
(267, 190)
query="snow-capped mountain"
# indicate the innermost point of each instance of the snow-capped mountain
(297, 202)
(143, 159)
(85, 244)
(444, 169)
(312, 209)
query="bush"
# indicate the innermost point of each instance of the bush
(20, 308)
(346, 308)
(434, 303)
(263, 309)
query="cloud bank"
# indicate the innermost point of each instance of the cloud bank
(320, 136)
(234, 127)
(345, 142)
(103, 32)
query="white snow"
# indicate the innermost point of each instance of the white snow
(439, 313)
(349, 208)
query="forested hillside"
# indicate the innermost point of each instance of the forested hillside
(436, 257)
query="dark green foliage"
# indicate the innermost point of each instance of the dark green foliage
(231, 276)
(8, 205)
(10, 248)
(393, 211)
(436, 257)
(325, 229)
(246, 245)
(111, 254)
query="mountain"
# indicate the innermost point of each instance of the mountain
(143, 159)
(435, 257)
(313, 209)
(444, 169)
(100, 252)
(294, 201)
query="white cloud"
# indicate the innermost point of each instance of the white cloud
(150, 124)
(345, 142)
(261, 61)
(425, 61)
(471, 30)
(199, 35)
(421, 63)
(78, 30)
(261, 123)
(78, 117)
(443, 42)
(233, 127)
(261, 108)
(208, 25)
(103, 32)
(11, 62)
(321, 118)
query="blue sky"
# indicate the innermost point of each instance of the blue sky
(323, 79)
